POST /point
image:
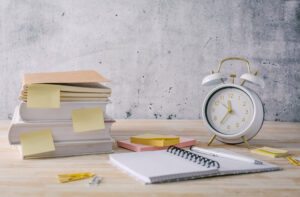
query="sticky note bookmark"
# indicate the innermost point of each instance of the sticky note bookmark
(43, 96)
(35, 142)
(88, 119)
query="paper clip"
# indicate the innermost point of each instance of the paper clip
(294, 161)
(64, 178)
(95, 181)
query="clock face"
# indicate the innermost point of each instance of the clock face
(229, 110)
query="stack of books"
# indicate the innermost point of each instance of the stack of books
(62, 114)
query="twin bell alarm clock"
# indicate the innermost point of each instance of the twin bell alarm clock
(232, 113)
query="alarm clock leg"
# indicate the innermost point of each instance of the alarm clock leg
(245, 141)
(211, 140)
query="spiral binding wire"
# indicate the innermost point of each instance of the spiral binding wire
(193, 157)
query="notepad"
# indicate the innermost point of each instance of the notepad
(88, 119)
(36, 142)
(178, 164)
(271, 152)
(154, 140)
(43, 96)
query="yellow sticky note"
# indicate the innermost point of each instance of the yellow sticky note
(88, 119)
(35, 142)
(43, 96)
(155, 136)
(271, 152)
(155, 140)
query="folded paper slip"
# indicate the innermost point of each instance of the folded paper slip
(271, 152)
(184, 142)
(154, 140)
(64, 113)
(61, 131)
(83, 76)
(294, 160)
(65, 178)
(73, 148)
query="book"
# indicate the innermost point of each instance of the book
(64, 113)
(176, 164)
(62, 131)
(271, 152)
(155, 140)
(183, 142)
(75, 92)
(73, 148)
(73, 86)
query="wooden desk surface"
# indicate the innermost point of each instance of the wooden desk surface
(38, 177)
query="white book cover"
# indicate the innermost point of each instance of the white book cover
(61, 131)
(64, 113)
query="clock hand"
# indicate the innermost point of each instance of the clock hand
(229, 106)
(221, 122)
(228, 112)
(224, 105)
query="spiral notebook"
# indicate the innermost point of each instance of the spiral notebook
(177, 164)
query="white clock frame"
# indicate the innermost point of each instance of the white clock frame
(251, 130)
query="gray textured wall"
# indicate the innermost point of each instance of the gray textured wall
(155, 51)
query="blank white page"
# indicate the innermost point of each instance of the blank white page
(234, 166)
(159, 166)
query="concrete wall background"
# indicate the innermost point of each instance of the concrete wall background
(155, 51)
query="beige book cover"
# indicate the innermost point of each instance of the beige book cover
(83, 76)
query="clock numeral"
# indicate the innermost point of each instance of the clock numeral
(244, 119)
(213, 110)
(216, 102)
(215, 118)
(230, 95)
(239, 97)
(244, 103)
(222, 97)
(228, 127)
(246, 112)
(237, 125)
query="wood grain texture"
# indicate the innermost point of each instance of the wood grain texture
(37, 177)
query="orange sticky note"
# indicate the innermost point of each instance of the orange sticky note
(43, 96)
(88, 119)
(35, 142)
